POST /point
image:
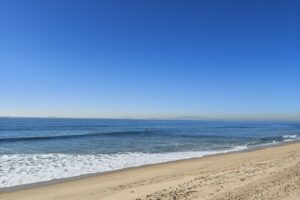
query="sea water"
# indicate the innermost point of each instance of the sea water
(42, 149)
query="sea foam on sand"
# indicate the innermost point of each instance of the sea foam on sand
(18, 169)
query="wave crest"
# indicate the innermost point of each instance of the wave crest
(55, 137)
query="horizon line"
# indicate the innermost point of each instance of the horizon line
(187, 118)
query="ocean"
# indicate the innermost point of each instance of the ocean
(41, 149)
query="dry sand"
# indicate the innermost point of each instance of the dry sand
(270, 173)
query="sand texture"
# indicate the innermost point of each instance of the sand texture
(272, 173)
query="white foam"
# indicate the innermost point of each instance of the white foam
(289, 136)
(18, 169)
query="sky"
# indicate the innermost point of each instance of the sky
(150, 59)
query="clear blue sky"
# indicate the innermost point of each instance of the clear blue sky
(156, 58)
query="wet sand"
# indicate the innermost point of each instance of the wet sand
(269, 173)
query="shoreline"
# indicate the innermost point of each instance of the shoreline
(96, 174)
(114, 183)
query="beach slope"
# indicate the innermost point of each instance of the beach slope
(269, 173)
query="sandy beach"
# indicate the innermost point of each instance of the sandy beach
(269, 173)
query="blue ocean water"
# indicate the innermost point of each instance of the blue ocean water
(40, 149)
